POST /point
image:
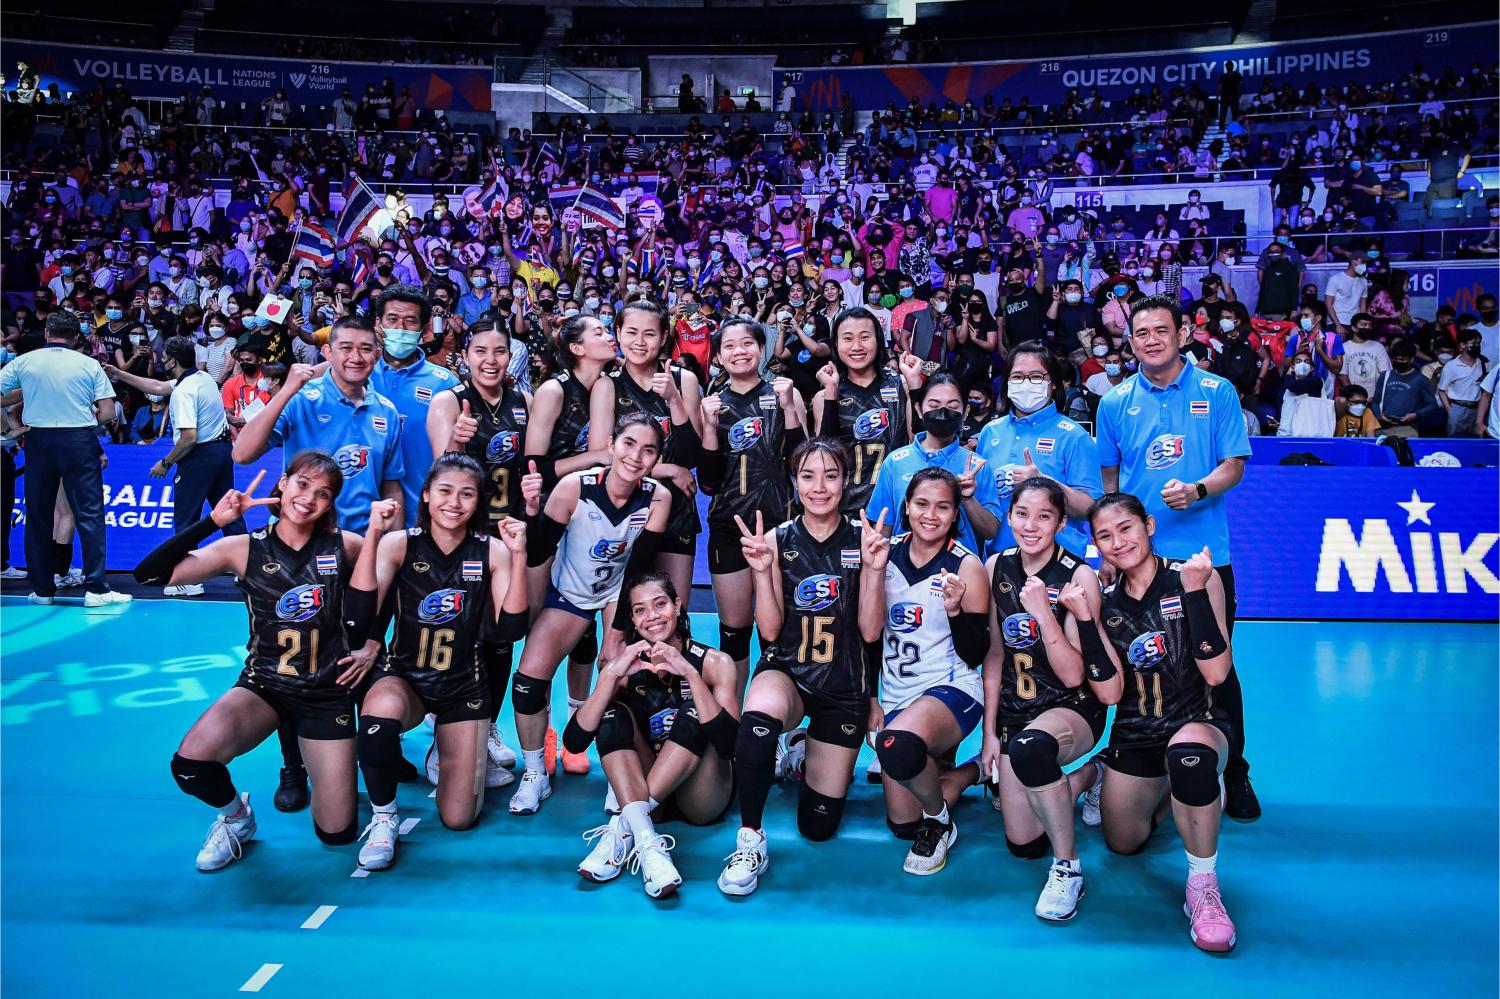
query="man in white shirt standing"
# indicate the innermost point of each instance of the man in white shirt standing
(1348, 292)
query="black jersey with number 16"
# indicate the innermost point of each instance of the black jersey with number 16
(441, 602)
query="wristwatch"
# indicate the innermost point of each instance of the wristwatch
(1202, 491)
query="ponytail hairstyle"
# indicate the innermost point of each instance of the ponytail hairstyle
(657, 577)
(1132, 505)
(317, 463)
(1054, 493)
(452, 461)
(570, 334)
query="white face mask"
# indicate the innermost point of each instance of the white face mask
(1227, 324)
(1357, 408)
(1073, 297)
(940, 306)
(1360, 268)
(1026, 397)
(263, 384)
(1302, 369)
(1100, 349)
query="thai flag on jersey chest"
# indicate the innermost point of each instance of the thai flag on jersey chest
(1171, 605)
(473, 567)
(1198, 407)
(849, 558)
(639, 518)
(327, 564)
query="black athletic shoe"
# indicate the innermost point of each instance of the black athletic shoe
(291, 793)
(1240, 801)
(406, 772)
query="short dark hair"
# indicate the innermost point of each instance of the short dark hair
(403, 293)
(180, 349)
(349, 322)
(62, 325)
(1151, 302)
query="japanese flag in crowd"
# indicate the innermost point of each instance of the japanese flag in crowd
(274, 308)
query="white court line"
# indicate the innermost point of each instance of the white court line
(408, 824)
(319, 917)
(360, 872)
(260, 978)
(433, 794)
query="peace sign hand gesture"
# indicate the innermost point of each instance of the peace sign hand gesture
(966, 482)
(233, 504)
(875, 547)
(756, 549)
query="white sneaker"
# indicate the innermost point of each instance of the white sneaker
(929, 849)
(497, 776)
(611, 803)
(501, 755)
(658, 873)
(11, 572)
(379, 851)
(1091, 816)
(39, 600)
(432, 767)
(751, 858)
(612, 848)
(1058, 901)
(225, 842)
(535, 788)
(873, 773)
(107, 599)
(72, 580)
(185, 590)
(791, 754)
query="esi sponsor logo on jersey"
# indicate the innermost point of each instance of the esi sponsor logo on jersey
(871, 424)
(665, 422)
(1148, 650)
(327, 565)
(660, 724)
(608, 549)
(581, 442)
(744, 434)
(1020, 631)
(441, 606)
(1166, 451)
(817, 592)
(503, 448)
(906, 617)
(352, 459)
(1005, 478)
(301, 603)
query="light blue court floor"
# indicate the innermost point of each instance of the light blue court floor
(1373, 871)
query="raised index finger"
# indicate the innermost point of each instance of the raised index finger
(254, 483)
(880, 521)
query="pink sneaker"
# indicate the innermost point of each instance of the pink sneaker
(1211, 929)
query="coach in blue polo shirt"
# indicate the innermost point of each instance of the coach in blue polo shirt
(1035, 439)
(405, 377)
(338, 413)
(1173, 435)
(937, 446)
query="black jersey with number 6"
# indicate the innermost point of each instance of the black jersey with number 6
(1164, 689)
(873, 420)
(752, 428)
(441, 603)
(820, 643)
(498, 445)
(1028, 685)
(296, 605)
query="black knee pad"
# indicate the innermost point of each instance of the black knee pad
(902, 830)
(818, 815)
(903, 755)
(616, 730)
(756, 745)
(1033, 756)
(687, 732)
(528, 695)
(735, 642)
(379, 742)
(205, 780)
(587, 648)
(343, 838)
(1035, 850)
(1193, 769)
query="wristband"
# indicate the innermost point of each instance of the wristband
(1202, 627)
(1096, 660)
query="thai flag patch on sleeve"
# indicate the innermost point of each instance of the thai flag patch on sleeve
(1046, 445)
(473, 568)
(849, 558)
(639, 518)
(327, 565)
(424, 394)
(1171, 606)
(1198, 407)
(378, 422)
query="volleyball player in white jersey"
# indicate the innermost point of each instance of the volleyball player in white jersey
(930, 691)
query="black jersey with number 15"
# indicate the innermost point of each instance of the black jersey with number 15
(1164, 689)
(752, 428)
(296, 605)
(820, 643)
(441, 601)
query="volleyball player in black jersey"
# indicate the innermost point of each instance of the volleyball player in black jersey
(665, 715)
(557, 441)
(485, 418)
(819, 597)
(447, 584)
(1161, 632)
(647, 382)
(863, 402)
(750, 428)
(1041, 711)
(299, 669)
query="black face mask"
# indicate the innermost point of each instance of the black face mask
(977, 406)
(941, 423)
(1489, 317)
(1015, 287)
(385, 270)
(1402, 364)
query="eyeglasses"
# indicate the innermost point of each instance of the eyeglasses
(1034, 378)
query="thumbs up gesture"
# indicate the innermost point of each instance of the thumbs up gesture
(531, 489)
(464, 428)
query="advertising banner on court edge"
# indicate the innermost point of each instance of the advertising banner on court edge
(1357, 58)
(79, 68)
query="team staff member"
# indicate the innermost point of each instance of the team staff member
(65, 398)
(1034, 438)
(1174, 436)
(410, 381)
(937, 446)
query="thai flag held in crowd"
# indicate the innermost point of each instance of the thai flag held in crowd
(791, 251)
(314, 244)
(649, 181)
(599, 206)
(360, 206)
(564, 197)
(492, 198)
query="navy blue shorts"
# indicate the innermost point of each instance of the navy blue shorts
(966, 710)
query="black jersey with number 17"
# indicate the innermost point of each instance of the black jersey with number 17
(296, 605)
(873, 419)
(1028, 685)
(1164, 688)
(570, 434)
(752, 428)
(498, 445)
(441, 603)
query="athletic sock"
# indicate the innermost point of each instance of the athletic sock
(1072, 865)
(941, 816)
(652, 802)
(389, 808)
(241, 809)
(535, 760)
(291, 749)
(573, 706)
(637, 818)
(1202, 865)
(62, 557)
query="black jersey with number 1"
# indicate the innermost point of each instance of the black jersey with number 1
(1164, 688)
(1028, 685)
(498, 445)
(296, 600)
(873, 419)
(752, 429)
(441, 603)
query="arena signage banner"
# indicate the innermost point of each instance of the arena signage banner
(168, 75)
(1358, 58)
(138, 508)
